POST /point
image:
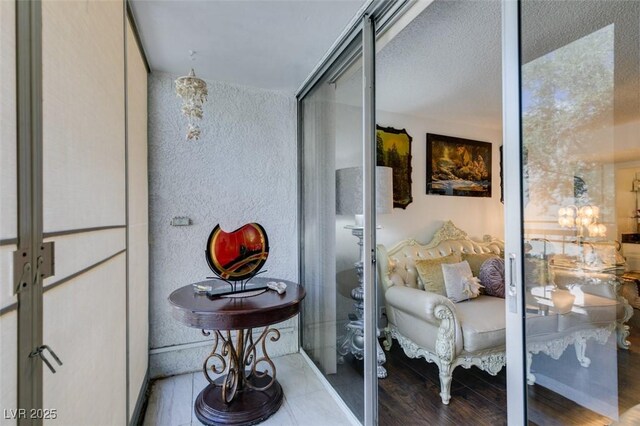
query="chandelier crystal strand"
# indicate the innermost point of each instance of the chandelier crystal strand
(193, 92)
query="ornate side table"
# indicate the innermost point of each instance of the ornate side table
(247, 392)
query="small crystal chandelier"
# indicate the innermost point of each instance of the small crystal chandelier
(193, 92)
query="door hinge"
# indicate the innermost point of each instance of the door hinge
(23, 269)
(46, 260)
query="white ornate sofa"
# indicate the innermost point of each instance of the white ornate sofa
(429, 325)
(472, 332)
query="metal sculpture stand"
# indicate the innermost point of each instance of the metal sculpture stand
(240, 395)
(353, 341)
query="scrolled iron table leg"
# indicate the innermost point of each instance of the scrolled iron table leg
(239, 392)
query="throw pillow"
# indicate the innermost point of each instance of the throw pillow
(459, 281)
(492, 277)
(430, 272)
(476, 260)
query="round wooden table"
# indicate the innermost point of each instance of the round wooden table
(247, 392)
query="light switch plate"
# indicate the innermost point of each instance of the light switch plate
(180, 221)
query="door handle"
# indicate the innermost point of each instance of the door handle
(512, 275)
(512, 291)
(39, 353)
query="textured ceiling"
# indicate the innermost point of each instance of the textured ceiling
(446, 64)
(262, 43)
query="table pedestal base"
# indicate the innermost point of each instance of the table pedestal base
(247, 408)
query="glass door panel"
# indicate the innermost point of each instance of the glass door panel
(84, 303)
(580, 118)
(332, 230)
(8, 211)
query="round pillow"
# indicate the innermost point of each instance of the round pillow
(492, 277)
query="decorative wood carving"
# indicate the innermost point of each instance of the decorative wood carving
(448, 232)
(489, 361)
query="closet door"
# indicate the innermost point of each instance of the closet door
(84, 210)
(138, 221)
(8, 210)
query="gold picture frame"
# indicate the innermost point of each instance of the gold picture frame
(393, 149)
(458, 167)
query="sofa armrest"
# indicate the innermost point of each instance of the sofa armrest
(419, 303)
(434, 309)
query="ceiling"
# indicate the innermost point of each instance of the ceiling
(261, 43)
(446, 64)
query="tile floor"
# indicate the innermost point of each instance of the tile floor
(306, 401)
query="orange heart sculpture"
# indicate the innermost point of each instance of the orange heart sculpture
(237, 255)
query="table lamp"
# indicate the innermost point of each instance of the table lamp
(349, 202)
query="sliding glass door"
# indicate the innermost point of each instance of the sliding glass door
(332, 230)
(574, 197)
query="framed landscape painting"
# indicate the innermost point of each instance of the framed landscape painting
(458, 167)
(393, 149)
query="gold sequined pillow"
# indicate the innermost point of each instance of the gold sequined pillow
(476, 260)
(430, 272)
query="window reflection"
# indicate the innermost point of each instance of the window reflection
(572, 269)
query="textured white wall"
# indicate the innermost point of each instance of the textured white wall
(243, 169)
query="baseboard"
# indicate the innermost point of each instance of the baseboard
(141, 403)
(347, 411)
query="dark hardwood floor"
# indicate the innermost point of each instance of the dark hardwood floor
(410, 393)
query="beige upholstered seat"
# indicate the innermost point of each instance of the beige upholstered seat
(483, 323)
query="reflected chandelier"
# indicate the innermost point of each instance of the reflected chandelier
(582, 217)
(193, 92)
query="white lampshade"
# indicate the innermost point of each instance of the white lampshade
(349, 190)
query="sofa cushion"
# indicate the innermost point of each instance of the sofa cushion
(482, 322)
(476, 260)
(459, 282)
(430, 272)
(492, 277)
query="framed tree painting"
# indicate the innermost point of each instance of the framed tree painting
(458, 167)
(393, 149)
